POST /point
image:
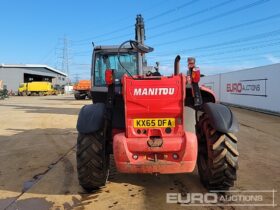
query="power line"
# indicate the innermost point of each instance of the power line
(117, 37)
(243, 49)
(86, 53)
(175, 20)
(250, 38)
(246, 44)
(248, 6)
(122, 28)
(192, 14)
(108, 39)
(102, 35)
(205, 20)
(205, 34)
(81, 55)
(238, 58)
(82, 52)
(242, 56)
(176, 9)
(51, 54)
(48, 54)
(78, 42)
(240, 40)
(221, 30)
(81, 64)
(76, 76)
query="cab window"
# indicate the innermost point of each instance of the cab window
(103, 62)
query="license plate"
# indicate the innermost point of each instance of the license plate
(154, 123)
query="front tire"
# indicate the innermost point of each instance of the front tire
(92, 160)
(217, 156)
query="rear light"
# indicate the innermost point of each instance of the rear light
(135, 157)
(175, 156)
(109, 77)
(196, 75)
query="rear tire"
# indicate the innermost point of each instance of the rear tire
(77, 96)
(83, 97)
(89, 95)
(217, 156)
(92, 160)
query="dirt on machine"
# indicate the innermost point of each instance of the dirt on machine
(82, 89)
(36, 89)
(139, 118)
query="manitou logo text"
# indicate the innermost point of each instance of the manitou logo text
(153, 91)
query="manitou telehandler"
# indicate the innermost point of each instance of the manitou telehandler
(139, 119)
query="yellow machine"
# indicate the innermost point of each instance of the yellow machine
(36, 88)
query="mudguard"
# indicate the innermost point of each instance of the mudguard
(221, 118)
(91, 118)
(207, 96)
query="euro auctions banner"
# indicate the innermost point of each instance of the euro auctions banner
(254, 88)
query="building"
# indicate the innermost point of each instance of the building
(13, 75)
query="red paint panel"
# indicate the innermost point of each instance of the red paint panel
(185, 147)
(155, 98)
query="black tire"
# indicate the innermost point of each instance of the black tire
(77, 96)
(92, 160)
(217, 156)
(89, 95)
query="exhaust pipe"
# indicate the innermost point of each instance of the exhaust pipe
(177, 65)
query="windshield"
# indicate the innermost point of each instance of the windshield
(103, 62)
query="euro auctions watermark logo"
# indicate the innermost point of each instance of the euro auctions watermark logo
(245, 198)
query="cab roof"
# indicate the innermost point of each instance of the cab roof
(113, 48)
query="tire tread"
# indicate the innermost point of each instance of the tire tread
(222, 156)
(92, 164)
